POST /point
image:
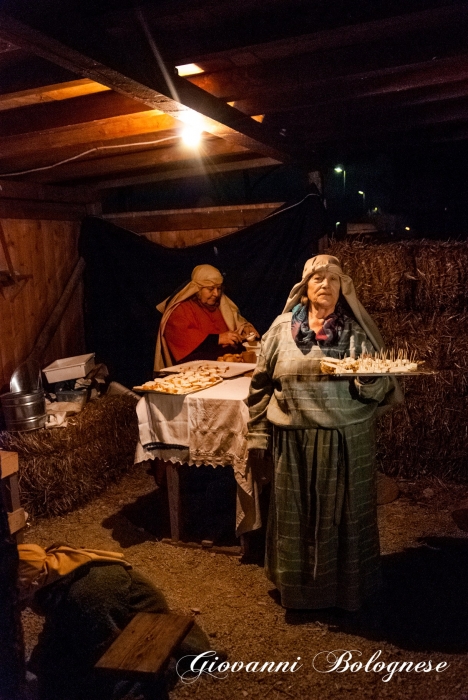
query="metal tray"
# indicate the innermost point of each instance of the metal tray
(234, 368)
(170, 393)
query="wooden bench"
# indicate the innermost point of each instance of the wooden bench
(146, 644)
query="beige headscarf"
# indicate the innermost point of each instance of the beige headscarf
(202, 276)
(39, 567)
(328, 263)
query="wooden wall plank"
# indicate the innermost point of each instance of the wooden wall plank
(48, 251)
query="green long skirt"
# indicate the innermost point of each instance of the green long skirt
(322, 536)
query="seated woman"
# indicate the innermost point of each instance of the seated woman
(199, 322)
(87, 597)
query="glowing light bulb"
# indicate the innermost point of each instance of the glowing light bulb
(191, 135)
(193, 127)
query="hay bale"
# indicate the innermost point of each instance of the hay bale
(417, 294)
(441, 339)
(64, 468)
(428, 435)
(384, 275)
(442, 271)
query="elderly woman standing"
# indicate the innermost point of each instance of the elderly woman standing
(322, 538)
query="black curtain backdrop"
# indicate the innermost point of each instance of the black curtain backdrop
(126, 275)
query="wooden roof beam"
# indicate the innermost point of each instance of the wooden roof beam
(218, 118)
(443, 74)
(189, 219)
(200, 170)
(349, 35)
(97, 166)
(74, 111)
(28, 72)
(89, 135)
(255, 82)
(50, 93)
(371, 124)
(46, 193)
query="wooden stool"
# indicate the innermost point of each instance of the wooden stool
(146, 644)
(10, 492)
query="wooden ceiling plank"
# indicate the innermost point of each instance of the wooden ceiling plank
(76, 110)
(219, 119)
(255, 82)
(439, 72)
(31, 191)
(50, 93)
(85, 135)
(187, 219)
(349, 35)
(30, 72)
(128, 163)
(53, 211)
(200, 170)
(351, 125)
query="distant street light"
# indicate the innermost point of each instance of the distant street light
(363, 194)
(339, 169)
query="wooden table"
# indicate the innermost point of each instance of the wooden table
(207, 427)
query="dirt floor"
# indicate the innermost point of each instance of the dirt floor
(421, 615)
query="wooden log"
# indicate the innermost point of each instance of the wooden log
(146, 644)
(48, 331)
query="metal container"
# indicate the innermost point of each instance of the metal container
(24, 410)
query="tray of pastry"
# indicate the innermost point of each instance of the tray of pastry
(174, 384)
(370, 366)
(225, 370)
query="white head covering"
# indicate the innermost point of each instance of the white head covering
(328, 263)
(202, 276)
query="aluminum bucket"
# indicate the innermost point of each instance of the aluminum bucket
(24, 410)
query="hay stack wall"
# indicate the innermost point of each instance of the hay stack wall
(417, 292)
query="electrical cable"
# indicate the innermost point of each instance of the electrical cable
(85, 153)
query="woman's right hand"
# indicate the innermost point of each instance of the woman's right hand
(229, 338)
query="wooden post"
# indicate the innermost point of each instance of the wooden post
(173, 493)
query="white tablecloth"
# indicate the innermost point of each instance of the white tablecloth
(208, 427)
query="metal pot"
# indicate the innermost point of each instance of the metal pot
(24, 410)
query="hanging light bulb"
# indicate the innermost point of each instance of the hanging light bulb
(193, 127)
